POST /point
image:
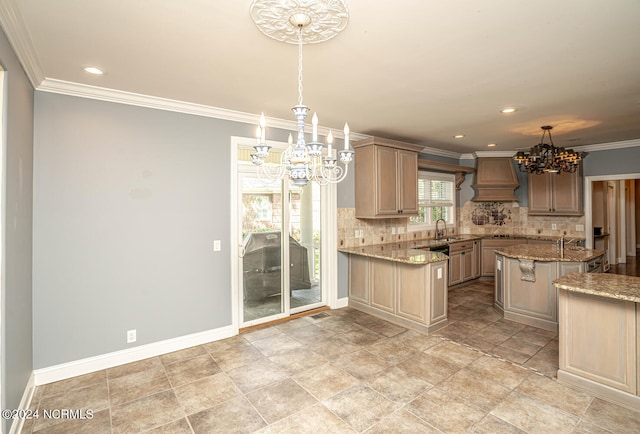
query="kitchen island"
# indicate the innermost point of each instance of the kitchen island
(524, 290)
(399, 283)
(599, 348)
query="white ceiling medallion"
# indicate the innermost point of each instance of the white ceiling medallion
(323, 19)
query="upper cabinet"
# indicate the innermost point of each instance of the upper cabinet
(386, 178)
(556, 194)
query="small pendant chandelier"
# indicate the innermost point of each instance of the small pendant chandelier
(301, 162)
(544, 158)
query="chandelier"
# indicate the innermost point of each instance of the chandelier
(301, 162)
(544, 158)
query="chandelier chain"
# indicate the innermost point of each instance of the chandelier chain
(299, 65)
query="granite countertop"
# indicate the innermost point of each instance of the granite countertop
(602, 284)
(398, 252)
(549, 253)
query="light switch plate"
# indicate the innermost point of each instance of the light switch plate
(554, 226)
(216, 245)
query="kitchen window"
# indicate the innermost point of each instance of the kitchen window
(436, 200)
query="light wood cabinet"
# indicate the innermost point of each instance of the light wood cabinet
(462, 262)
(598, 342)
(488, 247)
(386, 178)
(409, 295)
(359, 278)
(477, 256)
(556, 194)
(382, 284)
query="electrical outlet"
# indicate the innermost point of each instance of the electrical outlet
(400, 230)
(579, 228)
(359, 233)
(554, 226)
(216, 245)
(131, 336)
(393, 231)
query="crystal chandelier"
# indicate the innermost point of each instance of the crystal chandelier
(544, 158)
(301, 162)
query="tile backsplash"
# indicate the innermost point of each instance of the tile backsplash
(475, 218)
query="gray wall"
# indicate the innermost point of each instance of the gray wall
(16, 315)
(127, 204)
(614, 161)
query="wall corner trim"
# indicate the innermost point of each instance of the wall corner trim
(97, 363)
(25, 403)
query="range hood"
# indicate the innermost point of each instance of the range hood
(495, 180)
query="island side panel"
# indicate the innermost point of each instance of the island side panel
(359, 279)
(598, 340)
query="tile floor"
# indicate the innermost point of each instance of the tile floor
(344, 371)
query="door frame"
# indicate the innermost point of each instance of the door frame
(328, 243)
(588, 200)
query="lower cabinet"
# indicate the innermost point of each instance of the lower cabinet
(463, 264)
(410, 295)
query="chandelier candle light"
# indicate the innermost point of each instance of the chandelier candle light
(544, 158)
(301, 162)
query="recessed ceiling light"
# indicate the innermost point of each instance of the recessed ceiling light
(458, 136)
(491, 145)
(508, 110)
(93, 70)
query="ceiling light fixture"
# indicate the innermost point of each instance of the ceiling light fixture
(317, 21)
(508, 110)
(458, 136)
(491, 145)
(544, 158)
(93, 70)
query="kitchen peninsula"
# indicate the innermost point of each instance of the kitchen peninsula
(524, 290)
(599, 348)
(403, 283)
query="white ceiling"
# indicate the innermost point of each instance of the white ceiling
(414, 70)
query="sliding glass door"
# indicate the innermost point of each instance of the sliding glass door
(267, 211)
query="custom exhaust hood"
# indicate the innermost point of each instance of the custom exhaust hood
(495, 180)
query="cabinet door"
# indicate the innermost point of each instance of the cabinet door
(499, 284)
(455, 268)
(386, 180)
(567, 193)
(477, 254)
(408, 183)
(540, 194)
(412, 289)
(488, 261)
(467, 265)
(383, 283)
(359, 278)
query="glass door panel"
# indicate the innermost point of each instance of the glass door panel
(305, 288)
(261, 263)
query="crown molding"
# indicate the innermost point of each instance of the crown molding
(608, 146)
(440, 152)
(52, 85)
(18, 36)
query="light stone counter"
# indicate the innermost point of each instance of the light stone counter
(602, 284)
(398, 253)
(549, 253)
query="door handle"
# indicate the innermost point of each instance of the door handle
(241, 251)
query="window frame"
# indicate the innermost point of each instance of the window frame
(425, 174)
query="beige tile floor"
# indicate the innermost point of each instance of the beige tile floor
(344, 371)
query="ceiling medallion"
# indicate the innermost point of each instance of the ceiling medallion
(320, 20)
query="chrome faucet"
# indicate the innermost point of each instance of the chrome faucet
(440, 234)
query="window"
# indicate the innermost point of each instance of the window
(436, 200)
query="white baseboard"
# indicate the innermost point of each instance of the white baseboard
(25, 403)
(109, 360)
(341, 302)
